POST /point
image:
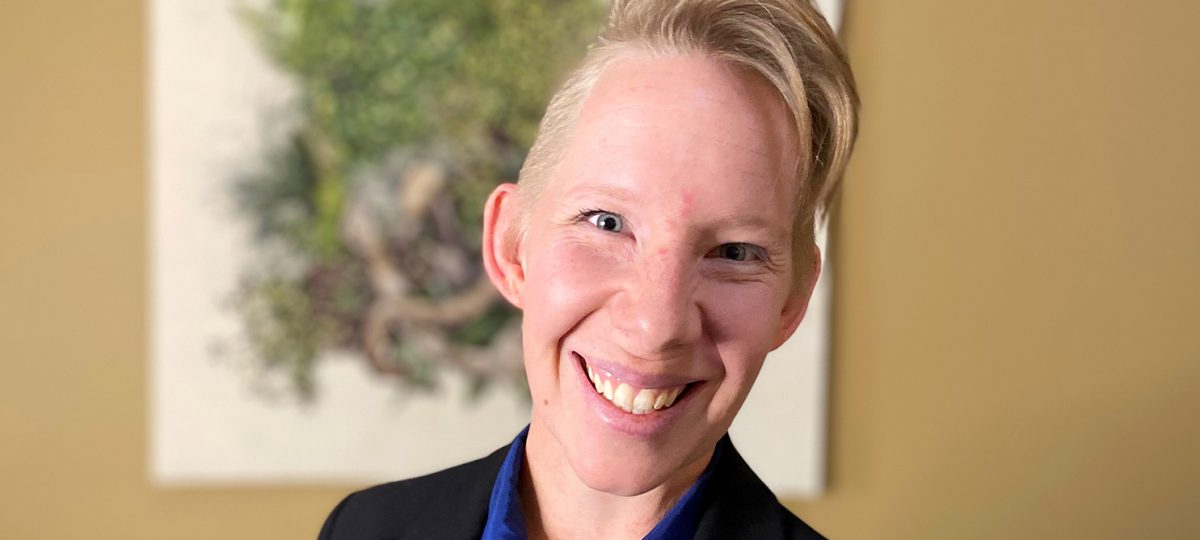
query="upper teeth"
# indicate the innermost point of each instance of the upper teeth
(631, 399)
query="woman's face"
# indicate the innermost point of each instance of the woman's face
(658, 266)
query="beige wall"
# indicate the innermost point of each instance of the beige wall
(1015, 354)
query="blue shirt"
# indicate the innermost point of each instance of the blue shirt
(506, 522)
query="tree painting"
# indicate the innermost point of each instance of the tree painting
(368, 214)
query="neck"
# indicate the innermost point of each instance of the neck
(557, 504)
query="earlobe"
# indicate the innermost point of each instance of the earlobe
(501, 243)
(797, 303)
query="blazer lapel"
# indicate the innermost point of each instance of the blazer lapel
(456, 506)
(740, 505)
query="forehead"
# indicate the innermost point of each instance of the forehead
(659, 125)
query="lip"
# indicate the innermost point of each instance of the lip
(634, 378)
(636, 425)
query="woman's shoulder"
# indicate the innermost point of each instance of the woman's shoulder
(742, 506)
(451, 503)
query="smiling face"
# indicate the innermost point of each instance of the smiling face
(656, 271)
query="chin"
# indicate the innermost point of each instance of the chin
(614, 464)
(620, 475)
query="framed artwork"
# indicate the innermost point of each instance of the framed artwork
(319, 310)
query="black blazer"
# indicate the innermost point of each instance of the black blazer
(453, 504)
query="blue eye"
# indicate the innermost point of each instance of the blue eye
(737, 252)
(606, 220)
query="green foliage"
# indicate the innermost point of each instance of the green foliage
(284, 333)
(282, 198)
(459, 82)
(376, 75)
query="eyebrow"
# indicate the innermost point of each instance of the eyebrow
(614, 192)
(756, 221)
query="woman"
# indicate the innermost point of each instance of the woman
(660, 244)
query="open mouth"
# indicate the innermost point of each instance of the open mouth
(629, 398)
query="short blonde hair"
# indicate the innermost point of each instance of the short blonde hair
(788, 43)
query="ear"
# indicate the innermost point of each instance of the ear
(501, 243)
(796, 304)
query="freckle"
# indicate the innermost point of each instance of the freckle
(546, 402)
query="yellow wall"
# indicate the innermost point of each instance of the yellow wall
(1015, 351)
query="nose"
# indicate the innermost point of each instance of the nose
(656, 313)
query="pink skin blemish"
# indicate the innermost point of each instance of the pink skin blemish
(688, 198)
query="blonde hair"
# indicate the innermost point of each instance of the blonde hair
(788, 43)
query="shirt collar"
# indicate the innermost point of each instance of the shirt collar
(506, 522)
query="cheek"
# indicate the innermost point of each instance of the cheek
(743, 322)
(564, 284)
